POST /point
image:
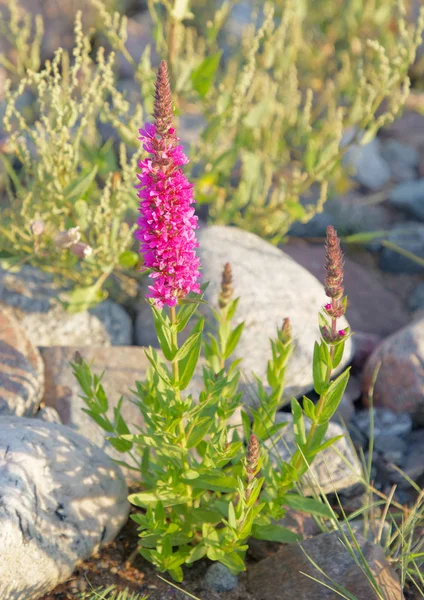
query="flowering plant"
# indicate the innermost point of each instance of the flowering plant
(207, 483)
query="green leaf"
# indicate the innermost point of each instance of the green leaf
(309, 408)
(79, 186)
(324, 446)
(203, 77)
(308, 505)
(153, 359)
(233, 340)
(188, 364)
(274, 533)
(164, 334)
(187, 311)
(84, 298)
(246, 424)
(233, 562)
(198, 431)
(119, 444)
(102, 399)
(232, 521)
(102, 421)
(319, 370)
(333, 397)
(338, 354)
(196, 553)
(216, 482)
(187, 347)
(128, 259)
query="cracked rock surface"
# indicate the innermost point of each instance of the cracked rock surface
(21, 370)
(61, 498)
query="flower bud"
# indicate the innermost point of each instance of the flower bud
(78, 360)
(333, 266)
(227, 289)
(37, 227)
(285, 334)
(66, 239)
(81, 250)
(252, 456)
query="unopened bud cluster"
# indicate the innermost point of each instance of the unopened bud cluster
(252, 457)
(227, 290)
(334, 275)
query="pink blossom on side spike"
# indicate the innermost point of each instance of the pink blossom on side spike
(167, 223)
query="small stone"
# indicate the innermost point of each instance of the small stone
(410, 237)
(392, 448)
(271, 286)
(414, 464)
(369, 167)
(219, 579)
(61, 499)
(21, 370)
(282, 575)
(416, 300)
(400, 383)
(386, 422)
(403, 160)
(409, 196)
(329, 467)
(34, 298)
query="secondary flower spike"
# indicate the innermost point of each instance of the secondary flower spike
(167, 223)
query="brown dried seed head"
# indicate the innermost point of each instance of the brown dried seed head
(163, 111)
(227, 289)
(252, 454)
(333, 265)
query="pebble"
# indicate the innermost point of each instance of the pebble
(219, 579)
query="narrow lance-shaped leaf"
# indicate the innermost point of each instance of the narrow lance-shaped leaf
(333, 397)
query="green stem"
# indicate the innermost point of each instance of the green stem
(175, 372)
(321, 400)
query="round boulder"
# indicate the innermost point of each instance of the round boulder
(271, 286)
(61, 498)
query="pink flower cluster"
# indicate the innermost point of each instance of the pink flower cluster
(166, 226)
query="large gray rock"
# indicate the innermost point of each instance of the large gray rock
(369, 167)
(61, 499)
(335, 469)
(409, 196)
(34, 297)
(403, 160)
(270, 286)
(400, 381)
(409, 237)
(21, 370)
(284, 574)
